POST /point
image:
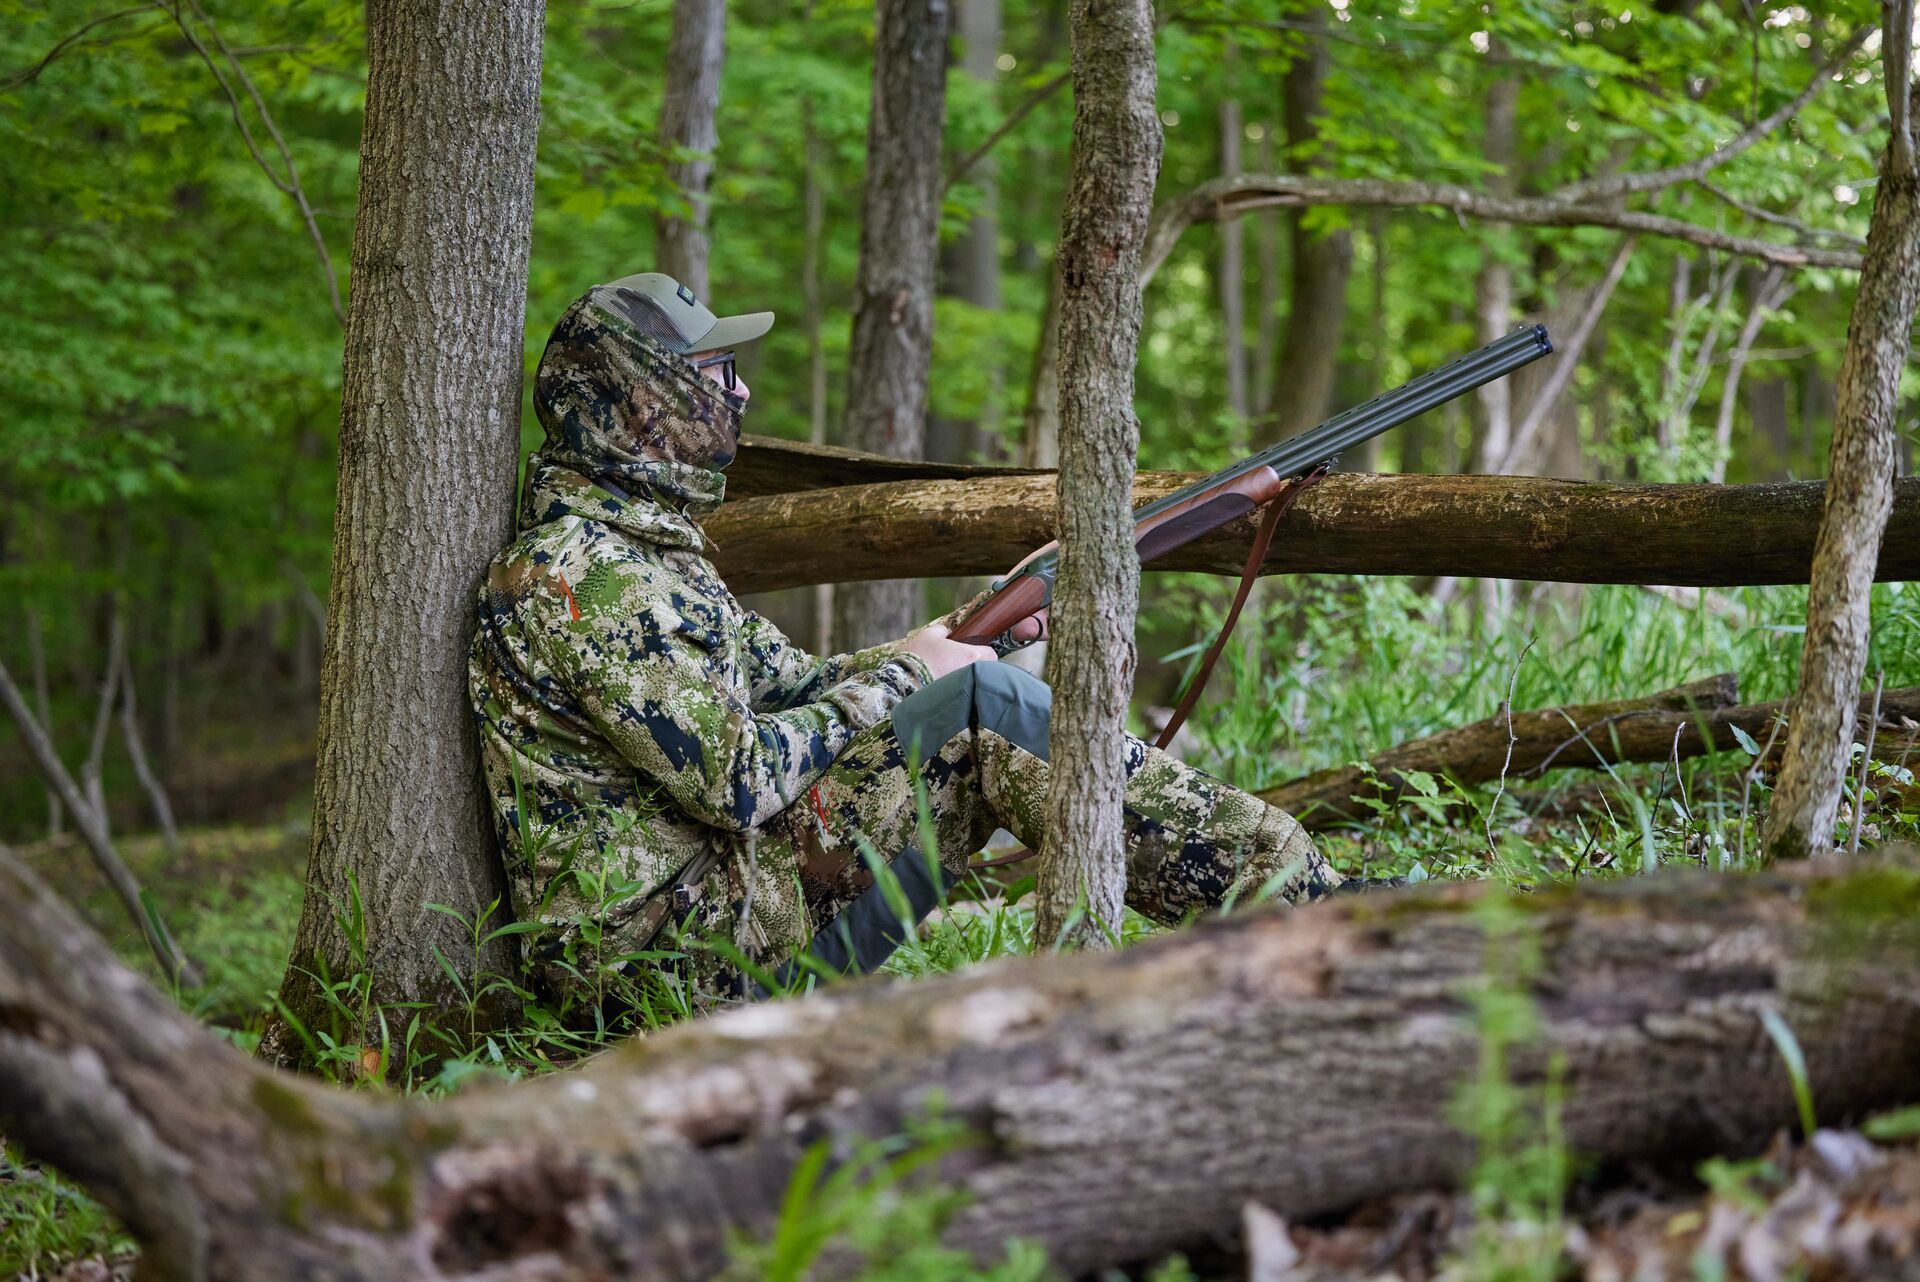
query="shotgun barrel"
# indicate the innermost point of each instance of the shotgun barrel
(1212, 501)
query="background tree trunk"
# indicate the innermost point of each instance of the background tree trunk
(813, 196)
(970, 264)
(1860, 476)
(696, 52)
(892, 346)
(1232, 267)
(429, 438)
(1125, 1106)
(1116, 150)
(1310, 357)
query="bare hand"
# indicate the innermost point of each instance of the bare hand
(1026, 632)
(931, 646)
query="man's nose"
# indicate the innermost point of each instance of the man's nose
(740, 387)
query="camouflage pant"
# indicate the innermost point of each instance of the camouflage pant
(980, 738)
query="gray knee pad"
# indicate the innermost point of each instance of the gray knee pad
(1014, 704)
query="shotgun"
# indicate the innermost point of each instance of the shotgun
(1209, 503)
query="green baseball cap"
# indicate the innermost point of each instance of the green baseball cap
(693, 326)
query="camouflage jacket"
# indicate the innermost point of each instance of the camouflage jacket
(632, 714)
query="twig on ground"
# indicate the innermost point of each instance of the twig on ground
(1513, 682)
(174, 964)
(1866, 764)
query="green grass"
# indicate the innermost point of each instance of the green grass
(1341, 670)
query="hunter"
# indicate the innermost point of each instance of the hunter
(661, 759)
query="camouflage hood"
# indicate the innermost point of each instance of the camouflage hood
(635, 437)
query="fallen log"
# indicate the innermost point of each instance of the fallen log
(1121, 1106)
(1691, 720)
(1511, 527)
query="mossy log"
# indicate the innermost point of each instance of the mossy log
(1689, 721)
(1121, 1105)
(1513, 527)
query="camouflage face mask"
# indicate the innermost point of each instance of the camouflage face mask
(620, 405)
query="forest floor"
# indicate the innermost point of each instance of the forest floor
(1843, 1204)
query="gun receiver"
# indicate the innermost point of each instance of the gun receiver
(1232, 492)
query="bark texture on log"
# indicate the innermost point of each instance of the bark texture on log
(1116, 160)
(1860, 490)
(1123, 1106)
(1585, 736)
(429, 443)
(1480, 526)
(696, 53)
(891, 352)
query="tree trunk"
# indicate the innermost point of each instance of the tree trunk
(1124, 1106)
(1310, 357)
(696, 52)
(1116, 160)
(1040, 439)
(1493, 287)
(813, 312)
(1266, 264)
(891, 351)
(429, 434)
(970, 263)
(1232, 269)
(1860, 488)
(1510, 527)
(1768, 295)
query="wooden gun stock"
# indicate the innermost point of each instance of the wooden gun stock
(1030, 590)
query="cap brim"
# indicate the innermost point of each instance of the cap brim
(731, 331)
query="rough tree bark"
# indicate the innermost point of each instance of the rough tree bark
(1078, 1075)
(429, 434)
(1691, 721)
(1116, 160)
(696, 52)
(1504, 527)
(1317, 307)
(1860, 487)
(891, 352)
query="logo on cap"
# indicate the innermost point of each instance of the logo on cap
(686, 296)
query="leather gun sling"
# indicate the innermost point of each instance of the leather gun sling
(1277, 507)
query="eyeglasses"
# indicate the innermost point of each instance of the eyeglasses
(725, 361)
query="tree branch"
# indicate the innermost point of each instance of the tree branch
(1617, 185)
(1793, 225)
(1007, 126)
(1223, 198)
(27, 75)
(290, 185)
